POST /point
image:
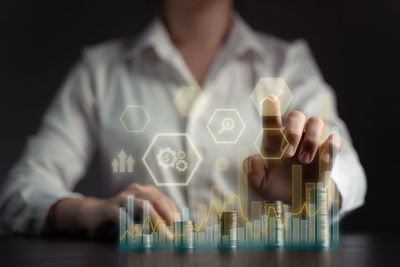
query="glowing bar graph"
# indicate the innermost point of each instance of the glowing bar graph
(271, 224)
(297, 188)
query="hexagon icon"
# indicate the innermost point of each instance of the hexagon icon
(280, 153)
(134, 118)
(226, 126)
(267, 86)
(167, 163)
(185, 97)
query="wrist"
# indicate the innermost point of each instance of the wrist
(67, 215)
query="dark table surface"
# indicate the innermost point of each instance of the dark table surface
(358, 249)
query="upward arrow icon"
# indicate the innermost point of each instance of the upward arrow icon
(130, 161)
(122, 157)
(114, 165)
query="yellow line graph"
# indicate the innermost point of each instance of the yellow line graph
(271, 210)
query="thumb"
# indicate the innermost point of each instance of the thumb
(254, 169)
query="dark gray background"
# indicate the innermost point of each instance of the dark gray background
(356, 44)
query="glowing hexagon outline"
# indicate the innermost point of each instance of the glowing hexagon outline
(145, 113)
(285, 87)
(269, 129)
(200, 159)
(240, 119)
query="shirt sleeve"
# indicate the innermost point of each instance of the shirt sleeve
(316, 98)
(54, 159)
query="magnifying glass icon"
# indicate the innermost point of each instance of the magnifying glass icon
(227, 124)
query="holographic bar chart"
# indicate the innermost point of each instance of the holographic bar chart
(271, 224)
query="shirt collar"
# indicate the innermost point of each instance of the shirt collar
(241, 39)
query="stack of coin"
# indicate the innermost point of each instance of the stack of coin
(183, 235)
(269, 224)
(228, 229)
(323, 230)
(136, 241)
(147, 241)
(136, 238)
(279, 223)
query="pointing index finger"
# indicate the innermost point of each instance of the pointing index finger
(271, 123)
(271, 112)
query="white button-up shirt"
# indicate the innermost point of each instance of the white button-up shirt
(143, 77)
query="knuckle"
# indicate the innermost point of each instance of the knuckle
(152, 189)
(271, 120)
(135, 187)
(316, 121)
(292, 135)
(148, 187)
(123, 195)
(310, 144)
(297, 114)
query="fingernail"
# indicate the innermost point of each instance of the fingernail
(251, 164)
(271, 97)
(305, 156)
(290, 150)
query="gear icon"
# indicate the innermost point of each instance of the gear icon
(167, 158)
(181, 155)
(181, 165)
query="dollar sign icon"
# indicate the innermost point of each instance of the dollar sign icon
(167, 158)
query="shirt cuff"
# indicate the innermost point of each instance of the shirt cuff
(41, 203)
